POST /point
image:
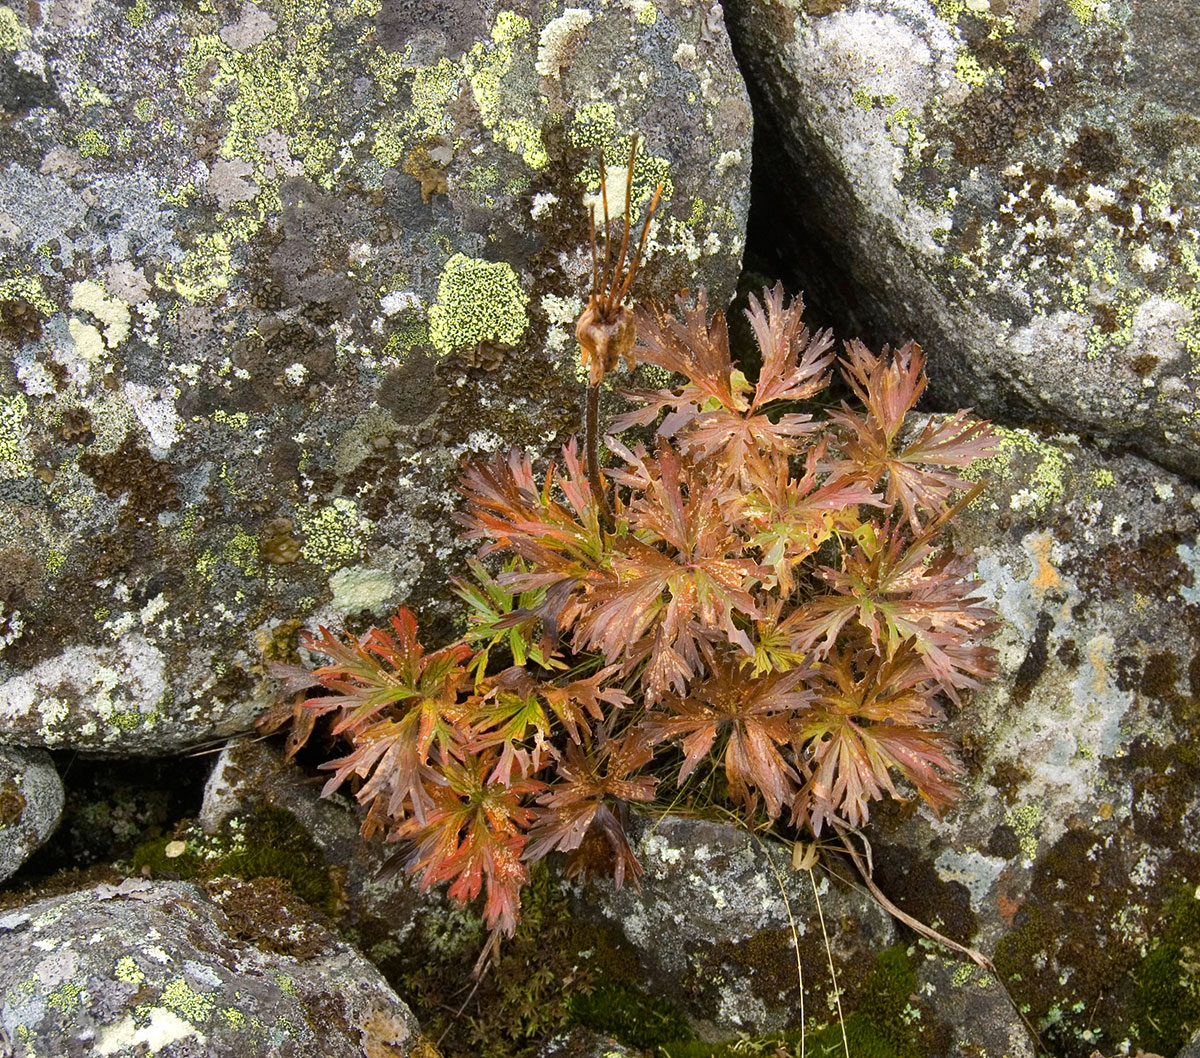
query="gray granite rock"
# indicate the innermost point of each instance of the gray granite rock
(164, 968)
(31, 804)
(1010, 183)
(712, 926)
(1072, 857)
(268, 273)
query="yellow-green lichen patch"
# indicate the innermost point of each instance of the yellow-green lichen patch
(128, 971)
(968, 70)
(91, 144)
(1026, 822)
(138, 15)
(335, 535)
(13, 36)
(205, 271)
(1044, 486)
(1084, 10)
(27, 288)
(186, 1002)
(478, 301)
(486, 66)
(65, 997)
(15, 452)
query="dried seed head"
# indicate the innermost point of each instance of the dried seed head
(606, 330)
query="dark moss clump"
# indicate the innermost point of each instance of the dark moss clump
(1168, 980)
(886, 1024)
(620, 1009)
(263, 843)
(1069, 961)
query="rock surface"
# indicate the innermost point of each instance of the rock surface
(268, 272)
(163, 967)
(713, 929)
(1010, 183)
(31, 804)
(1073, 854)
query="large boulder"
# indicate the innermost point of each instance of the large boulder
(1011, 183)
(1073, 855)
(120, 970)
(268, 272)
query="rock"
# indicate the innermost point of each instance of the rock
(713, 930)
(1072, 857)
(1192, 1047)
(1012, 184)
(582, 1043)
(251, 773)
(119, 969)
(31, 804)
(270, 272)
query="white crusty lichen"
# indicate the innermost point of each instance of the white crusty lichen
(559, 38)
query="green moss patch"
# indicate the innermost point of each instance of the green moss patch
(263, 843)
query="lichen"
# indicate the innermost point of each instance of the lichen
(478, 301)
(179, 997)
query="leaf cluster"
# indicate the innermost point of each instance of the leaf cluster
(759, 595)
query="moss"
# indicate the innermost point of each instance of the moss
(886, 1024)
(620, 1009)
(1167, 1004)
(263, 843)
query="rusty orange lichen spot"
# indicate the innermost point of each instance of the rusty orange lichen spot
(1045, 576)
(1008, 908)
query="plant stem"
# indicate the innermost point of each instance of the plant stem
(591, 429)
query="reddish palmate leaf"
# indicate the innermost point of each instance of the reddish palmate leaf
(916, 478)
(679, 577)
(899, 591)
(474, 833)
(578, 803)
(870, 716)
(793, 366)
(717, 415)
(746, 719)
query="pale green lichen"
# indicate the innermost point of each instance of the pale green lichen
(361, 588)
(111, 312)
(334, 535)
(478, 301)
(197, 1007)
(128, 970)
(14, 444)
(91, 144)
(1026, 822)
(13, 36)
